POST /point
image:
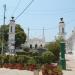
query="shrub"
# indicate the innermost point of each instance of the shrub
(31, 61)
(47, 57)
(51, 69)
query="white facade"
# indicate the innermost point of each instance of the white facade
(11, 38)
(35, 43)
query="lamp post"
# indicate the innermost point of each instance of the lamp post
(62, 55)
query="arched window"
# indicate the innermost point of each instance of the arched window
(31, 46)
(41, 45)
(35, 45)
(62, 30)
(11, 29)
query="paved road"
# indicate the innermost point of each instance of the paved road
(70, 64)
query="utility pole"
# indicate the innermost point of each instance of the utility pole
(2, 52)
(3, 29)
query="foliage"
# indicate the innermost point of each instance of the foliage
(31, 61)
(47, 57)
(20, 59)
(54, 47)
(21, 53)
(26, 49)
(20, 35)
(51, 69)
(12, 59)
(6, 58)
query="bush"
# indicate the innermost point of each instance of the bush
(50, 69)
(22, 59)
(21, 53)
(31, 61)
(47, 57)
(11, 59)
(54, 47)
(26, 49)
(6, 58)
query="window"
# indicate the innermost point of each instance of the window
(41, 45)
(35, 45)
(62, 30)
(11, 29)
(31, 46)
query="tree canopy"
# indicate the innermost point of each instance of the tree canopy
(20, 36)
(54, 47)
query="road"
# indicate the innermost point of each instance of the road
(70, 65)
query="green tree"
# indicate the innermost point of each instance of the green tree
(20, 34)
(31, 61)
(54, 47)
(47, 57)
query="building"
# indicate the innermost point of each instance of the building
(35, 42)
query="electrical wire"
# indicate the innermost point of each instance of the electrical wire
(24, 10)
(19, 1)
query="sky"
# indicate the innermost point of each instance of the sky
(41, 14)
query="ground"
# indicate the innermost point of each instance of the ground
(70, 65)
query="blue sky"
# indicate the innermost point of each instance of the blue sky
(42, 13)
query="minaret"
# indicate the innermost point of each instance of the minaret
(27, 39)
(11, 38)
(43, 35)
(62, 28)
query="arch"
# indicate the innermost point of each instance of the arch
(62, 30)
(31, 46)
(41, 45)
(35, 45)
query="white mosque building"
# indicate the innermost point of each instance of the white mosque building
(35, 42)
